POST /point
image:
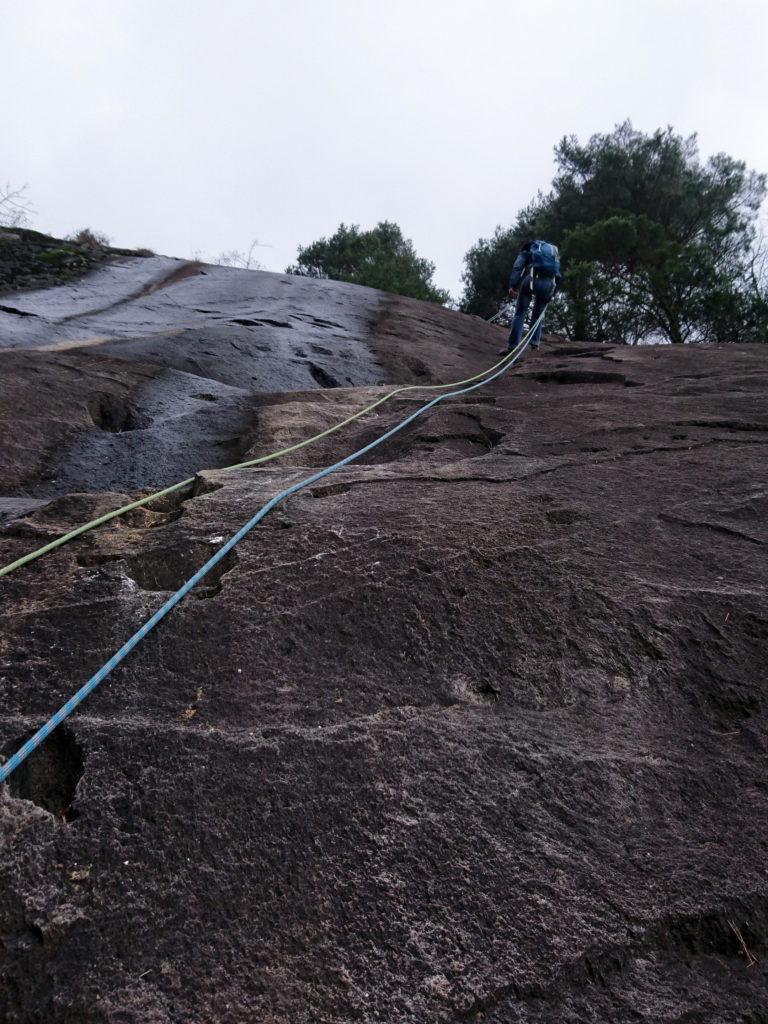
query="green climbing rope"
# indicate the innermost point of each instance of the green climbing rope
(260, 461)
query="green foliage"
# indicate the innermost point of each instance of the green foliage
(380, 258)
(488, 263)
(654, 244)
(487, 267)
(56, 257)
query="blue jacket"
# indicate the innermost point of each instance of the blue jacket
(521, 265)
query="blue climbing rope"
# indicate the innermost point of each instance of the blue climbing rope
(86, 689)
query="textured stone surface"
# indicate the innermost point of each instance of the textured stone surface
(144, 372)
(472, 731)
(31, 260)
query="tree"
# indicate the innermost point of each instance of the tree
(655, 245)
(15, 208)
(240, 259)
(379, 258)
(489, 261)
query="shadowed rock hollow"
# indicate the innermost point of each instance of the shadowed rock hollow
(474, 730)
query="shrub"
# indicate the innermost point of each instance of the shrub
(90, 239)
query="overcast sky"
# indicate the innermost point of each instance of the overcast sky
(196, 126)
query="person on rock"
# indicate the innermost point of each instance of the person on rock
(535, 275)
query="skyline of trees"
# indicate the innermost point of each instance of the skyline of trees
(655, 244)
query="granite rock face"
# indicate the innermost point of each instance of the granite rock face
(145, 371)
(31, 260)
(473, 730)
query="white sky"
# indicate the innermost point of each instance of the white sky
(187, 125)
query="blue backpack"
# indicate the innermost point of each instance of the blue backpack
(545, 259)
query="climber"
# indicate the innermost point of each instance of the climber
(535, 275)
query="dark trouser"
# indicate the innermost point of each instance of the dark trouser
(542, 292)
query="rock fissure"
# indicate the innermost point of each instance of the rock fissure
(15, 312)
